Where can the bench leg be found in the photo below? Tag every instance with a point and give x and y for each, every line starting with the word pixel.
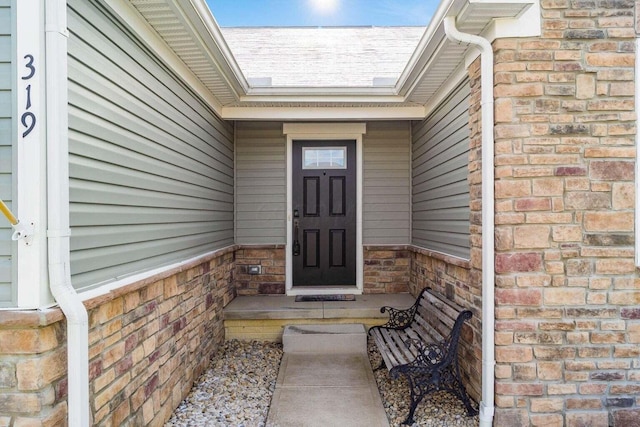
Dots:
pixel 462 392
pixel 459 390
pixel 417 393
pixel 414 404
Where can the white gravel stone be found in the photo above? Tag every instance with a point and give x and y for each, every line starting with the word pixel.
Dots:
pixel 236 390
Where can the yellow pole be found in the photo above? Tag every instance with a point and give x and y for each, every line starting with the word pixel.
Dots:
pixel 7 212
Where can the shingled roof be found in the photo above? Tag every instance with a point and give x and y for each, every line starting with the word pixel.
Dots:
pixel 328 73
pixel 322 56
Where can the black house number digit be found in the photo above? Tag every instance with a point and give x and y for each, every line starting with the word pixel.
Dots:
pixel 28 118
pixel 29 65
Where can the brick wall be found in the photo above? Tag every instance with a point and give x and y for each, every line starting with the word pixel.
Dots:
pixel 271 259
pixel 148 342
pixel 386 269
pixel 567 291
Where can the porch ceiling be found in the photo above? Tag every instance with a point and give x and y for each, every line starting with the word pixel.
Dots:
pixel 189 39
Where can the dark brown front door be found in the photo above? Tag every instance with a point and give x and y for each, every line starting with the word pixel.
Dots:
pixel 324 213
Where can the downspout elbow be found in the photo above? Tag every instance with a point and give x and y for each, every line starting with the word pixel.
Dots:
pixel 487 405
pixel 77 321
pixel 60 285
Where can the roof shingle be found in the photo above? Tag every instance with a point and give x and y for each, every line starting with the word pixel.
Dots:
pixel 322 56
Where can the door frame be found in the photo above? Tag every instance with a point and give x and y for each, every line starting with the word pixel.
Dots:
pixel 324 132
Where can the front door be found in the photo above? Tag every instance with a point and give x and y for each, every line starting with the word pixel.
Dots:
pixel 324 213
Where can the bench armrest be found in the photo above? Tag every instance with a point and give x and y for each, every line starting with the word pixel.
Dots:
pixel 399 319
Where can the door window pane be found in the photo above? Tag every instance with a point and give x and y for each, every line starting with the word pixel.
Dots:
pixel 324 157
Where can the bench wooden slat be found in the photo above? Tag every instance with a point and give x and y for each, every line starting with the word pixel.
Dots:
pixel 395 355
pixel 427 330
pixel 384 341
pixel 445 313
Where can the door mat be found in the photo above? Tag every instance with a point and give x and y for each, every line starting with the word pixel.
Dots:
pixel 335 297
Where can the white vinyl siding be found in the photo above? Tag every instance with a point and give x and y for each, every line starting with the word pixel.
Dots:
pixel 6 152
pixel 386 183
pixel 440 168
pixel 151 166
pixel 261 188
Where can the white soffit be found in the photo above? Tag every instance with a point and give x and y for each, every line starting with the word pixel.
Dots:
pixel 190 31
pixel 439 57
pixel 177 31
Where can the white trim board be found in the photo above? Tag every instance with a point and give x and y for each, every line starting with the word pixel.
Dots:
pixel 325 131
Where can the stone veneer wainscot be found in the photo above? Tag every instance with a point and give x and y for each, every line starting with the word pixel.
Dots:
pixel 149 341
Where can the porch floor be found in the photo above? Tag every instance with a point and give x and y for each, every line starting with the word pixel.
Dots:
pixel 264 317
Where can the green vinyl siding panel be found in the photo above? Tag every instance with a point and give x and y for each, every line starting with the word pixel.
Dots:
pixel 7 247
pixel 386 198
pixel 440 158
pixel 151 166
pixel 261 183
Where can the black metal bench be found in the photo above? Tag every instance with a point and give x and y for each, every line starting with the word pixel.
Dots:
pixel 421 343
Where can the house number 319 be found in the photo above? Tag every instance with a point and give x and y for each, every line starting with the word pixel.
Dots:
pixel 28 119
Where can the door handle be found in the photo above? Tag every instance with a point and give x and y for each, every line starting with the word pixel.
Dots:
pixel 296 242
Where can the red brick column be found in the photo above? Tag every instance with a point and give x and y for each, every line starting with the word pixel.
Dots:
pixel 566 341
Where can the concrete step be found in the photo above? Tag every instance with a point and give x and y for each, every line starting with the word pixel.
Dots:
pixel 325 338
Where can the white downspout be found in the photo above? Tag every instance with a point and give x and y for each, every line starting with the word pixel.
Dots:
pixel 488 214
pixel 58 229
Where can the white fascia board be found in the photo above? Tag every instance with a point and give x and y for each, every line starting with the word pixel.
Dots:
pixel 140 26
pixel 274 93
pixel 323 113
pixel 331 99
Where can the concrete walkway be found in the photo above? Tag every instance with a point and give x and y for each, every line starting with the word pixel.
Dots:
pixel 325 379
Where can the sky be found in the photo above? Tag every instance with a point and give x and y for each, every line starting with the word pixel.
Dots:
pixel 322 13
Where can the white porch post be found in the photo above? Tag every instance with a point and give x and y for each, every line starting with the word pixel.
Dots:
pixel 29 201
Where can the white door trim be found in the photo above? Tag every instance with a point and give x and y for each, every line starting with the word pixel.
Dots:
pixel 324 131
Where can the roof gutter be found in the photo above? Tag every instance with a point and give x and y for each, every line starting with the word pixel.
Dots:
pixel 487 408
pixel 58 231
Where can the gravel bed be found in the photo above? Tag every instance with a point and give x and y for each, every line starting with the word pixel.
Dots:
pixel 236 390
